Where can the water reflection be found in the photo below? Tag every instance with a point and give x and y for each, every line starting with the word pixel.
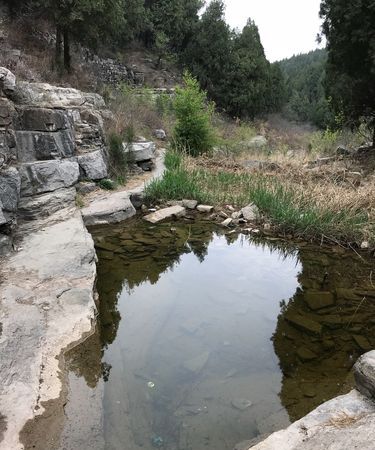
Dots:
pixel 206 339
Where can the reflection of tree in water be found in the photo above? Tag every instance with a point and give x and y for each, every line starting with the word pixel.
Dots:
pixel 129 256
pixel 324 328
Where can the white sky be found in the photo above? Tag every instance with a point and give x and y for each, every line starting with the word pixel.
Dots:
pixel 286 27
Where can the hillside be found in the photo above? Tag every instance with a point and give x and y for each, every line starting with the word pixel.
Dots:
pixel 304 76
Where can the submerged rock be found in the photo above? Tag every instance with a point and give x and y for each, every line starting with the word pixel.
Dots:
pixel 197 363
pixel 304 323
pixel 241 404
pixel 319 299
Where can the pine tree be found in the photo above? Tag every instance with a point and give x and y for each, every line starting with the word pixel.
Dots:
pixel 350 32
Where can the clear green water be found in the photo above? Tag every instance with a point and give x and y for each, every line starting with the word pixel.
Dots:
pixel 206 340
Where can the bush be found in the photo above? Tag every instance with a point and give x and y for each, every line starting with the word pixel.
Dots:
pixel 107 184
pixel 193 131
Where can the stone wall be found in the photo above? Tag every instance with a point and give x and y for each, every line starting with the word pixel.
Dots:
pixel 50 139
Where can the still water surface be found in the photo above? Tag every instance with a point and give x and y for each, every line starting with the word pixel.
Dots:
pixel 207 339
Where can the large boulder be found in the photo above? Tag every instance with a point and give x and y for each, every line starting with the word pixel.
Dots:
pixel 92 165
pixel 42 119
pixel 47 176
pixel 140 151
pixel 7 81
pixel 10 184
pixel 38 145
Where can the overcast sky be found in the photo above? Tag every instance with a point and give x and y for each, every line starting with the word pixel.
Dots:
pixel 286 27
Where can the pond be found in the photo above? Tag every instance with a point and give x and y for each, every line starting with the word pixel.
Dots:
pixel 207 338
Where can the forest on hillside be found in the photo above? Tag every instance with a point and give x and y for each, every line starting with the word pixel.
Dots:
pixel 333 87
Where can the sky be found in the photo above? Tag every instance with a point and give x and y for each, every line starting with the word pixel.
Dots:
pixel 286 27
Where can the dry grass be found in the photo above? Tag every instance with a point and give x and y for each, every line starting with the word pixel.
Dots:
pixel 135 111
pixel 343 420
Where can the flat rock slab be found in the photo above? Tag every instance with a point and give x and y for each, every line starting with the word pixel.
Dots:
pixel 304 323
pixel 344 423
pixel 47 304
pixel 39 206
pixel 114 208
pixel 165 213
pixel 318 300
pixel 48 96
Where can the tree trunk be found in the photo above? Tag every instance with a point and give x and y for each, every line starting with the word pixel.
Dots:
pixel 67 57
pixel 58 49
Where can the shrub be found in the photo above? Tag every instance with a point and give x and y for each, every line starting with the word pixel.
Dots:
pixel 107 184
pixel 193 131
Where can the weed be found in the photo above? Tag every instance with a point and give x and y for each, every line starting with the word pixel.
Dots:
pixel 107 184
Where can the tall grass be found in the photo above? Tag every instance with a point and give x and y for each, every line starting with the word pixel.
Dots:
pixel 291 210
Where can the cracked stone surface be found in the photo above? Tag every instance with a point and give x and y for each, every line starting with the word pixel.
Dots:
pixel 47 303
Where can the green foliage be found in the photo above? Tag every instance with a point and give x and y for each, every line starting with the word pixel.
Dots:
pixel 350 37
pixel 232 66
pixel 107 184
pixel 173 19
pixel 193 131
pixel 305 95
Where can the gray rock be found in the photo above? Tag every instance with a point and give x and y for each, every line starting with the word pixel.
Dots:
pixel 93 166
pixel 40 206
pixel 37 145
pixel 85 187
pixel 140 151
pixel 257 142
pixel 7 81
pixel 47 176
pixel 5 244
pixel 346 422
pixel 137 199
pixel 3 219
pixel 189 204
pixel 260 165
pixel 160 134
pixel 227 222
pixel 10 185
pixel 165 213
pixel 250 212
pixel 42 119
pixel 205 208
pixel 364 374
pixel 114 208
pixel 48 96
